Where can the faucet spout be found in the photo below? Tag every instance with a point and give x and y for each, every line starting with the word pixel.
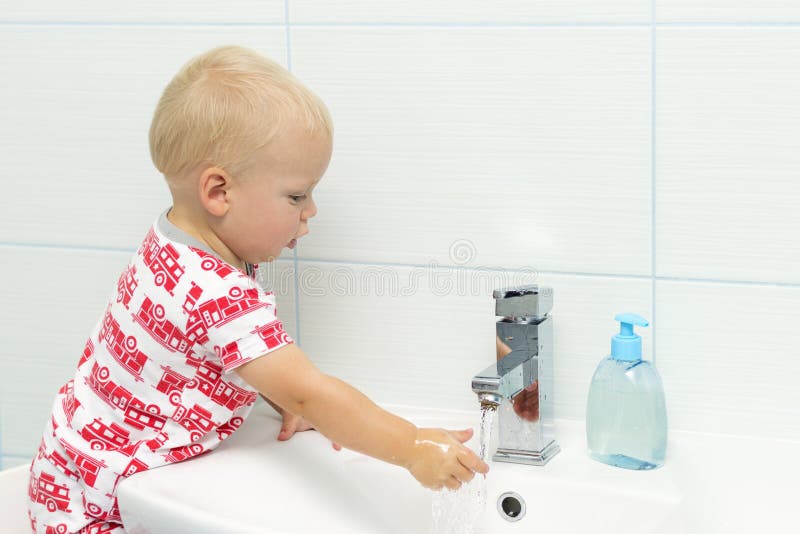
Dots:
pixel 510 375
pixel 489 401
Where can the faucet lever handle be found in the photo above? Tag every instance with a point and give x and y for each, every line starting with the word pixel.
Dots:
pixel 523 301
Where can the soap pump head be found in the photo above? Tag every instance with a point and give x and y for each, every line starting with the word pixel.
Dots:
pixel 627 345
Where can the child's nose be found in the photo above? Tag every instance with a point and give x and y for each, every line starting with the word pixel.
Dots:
pixel 309 210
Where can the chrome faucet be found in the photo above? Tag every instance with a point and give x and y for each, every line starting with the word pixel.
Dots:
pixel 520 384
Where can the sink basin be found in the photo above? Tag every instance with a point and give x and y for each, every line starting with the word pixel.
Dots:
pixel 254 483
pixel 570 494
pixel 553 506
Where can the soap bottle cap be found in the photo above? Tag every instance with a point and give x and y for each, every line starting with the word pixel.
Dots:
pixel 627 345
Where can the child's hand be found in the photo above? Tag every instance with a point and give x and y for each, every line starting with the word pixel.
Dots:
pixel 294 423
pixel 440 460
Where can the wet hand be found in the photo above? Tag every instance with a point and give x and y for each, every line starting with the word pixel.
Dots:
pixel 439 458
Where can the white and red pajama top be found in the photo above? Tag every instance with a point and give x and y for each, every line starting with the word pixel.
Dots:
pixel 155 383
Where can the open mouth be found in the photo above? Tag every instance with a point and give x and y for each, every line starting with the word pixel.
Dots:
pixel 292 243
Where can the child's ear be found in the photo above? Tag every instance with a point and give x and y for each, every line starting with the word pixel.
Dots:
pixel 213 189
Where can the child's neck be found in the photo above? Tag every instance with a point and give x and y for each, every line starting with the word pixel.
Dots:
pixel 196 227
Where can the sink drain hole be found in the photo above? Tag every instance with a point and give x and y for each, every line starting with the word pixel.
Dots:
pixel 511 506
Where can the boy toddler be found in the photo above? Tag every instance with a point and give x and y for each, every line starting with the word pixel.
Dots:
pixel 188 339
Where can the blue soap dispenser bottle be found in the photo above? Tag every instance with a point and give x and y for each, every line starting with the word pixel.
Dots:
pixel 626 414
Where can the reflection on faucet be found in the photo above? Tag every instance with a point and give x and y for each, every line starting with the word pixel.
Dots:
pixel 522 375
pixel 526 402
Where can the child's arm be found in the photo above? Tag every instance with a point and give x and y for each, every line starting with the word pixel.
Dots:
pixel 435 457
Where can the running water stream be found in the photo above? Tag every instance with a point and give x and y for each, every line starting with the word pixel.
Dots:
pixel 458 512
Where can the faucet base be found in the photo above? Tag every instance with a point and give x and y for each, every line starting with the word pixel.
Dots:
pixel 516 456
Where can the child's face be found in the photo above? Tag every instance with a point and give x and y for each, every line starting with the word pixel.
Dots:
pixel 274 201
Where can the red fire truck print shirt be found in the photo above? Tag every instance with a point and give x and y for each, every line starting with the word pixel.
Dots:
pixel 154 384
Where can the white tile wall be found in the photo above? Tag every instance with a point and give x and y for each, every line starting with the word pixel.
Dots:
pixel 727 175
pixel 470 11
pixel 83 100
pixel 728 357
pixel 483 135
pixel 8 461
pixel 727 11
pixel 479 135
pixel 147 11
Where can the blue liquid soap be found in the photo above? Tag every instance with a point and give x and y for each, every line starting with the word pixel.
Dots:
pixel 626 415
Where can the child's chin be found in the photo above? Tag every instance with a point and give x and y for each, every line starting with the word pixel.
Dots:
pixel 267 259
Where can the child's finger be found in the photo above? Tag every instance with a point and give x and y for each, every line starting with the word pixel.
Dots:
pixel 287 429
pixel 462 473
pixel 471 461
pixel 452 483
pixel 462 435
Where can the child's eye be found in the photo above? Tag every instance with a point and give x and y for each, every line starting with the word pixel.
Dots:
pixel 297 198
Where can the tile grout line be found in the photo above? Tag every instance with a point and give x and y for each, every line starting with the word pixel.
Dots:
pixel 454 25
pixel 296 260
pixel 65 246
pixel 297 332
pixel 653 233
pixel 16 459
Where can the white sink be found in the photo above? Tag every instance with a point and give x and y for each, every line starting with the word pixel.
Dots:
pixel 570 494
pixel 254 483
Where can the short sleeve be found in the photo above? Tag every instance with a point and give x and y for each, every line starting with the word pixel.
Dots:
pixel 237 322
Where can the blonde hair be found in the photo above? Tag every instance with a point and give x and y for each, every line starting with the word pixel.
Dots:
pixel 226 104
